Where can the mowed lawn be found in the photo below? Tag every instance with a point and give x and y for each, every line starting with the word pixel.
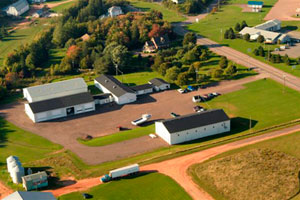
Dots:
pixel 119 136
pixel 168 15
pixel 215 25
pixel 138 78
pixel 64 6
pixel 27 146
pixel 146 186
pixel 19 37
pixel 265 102
pixel 289 144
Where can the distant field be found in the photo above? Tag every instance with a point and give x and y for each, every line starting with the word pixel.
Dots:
pixel 63 6
pixel 19 37
pixel 169 15
pixel 120 136
pixel 214 26
pixel 289 144
pixel 145 186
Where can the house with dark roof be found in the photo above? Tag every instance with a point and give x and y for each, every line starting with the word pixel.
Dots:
pixel 21 195
pixel 56 100
pixel 159 84
pixel 142 89
pixel 156 43
pixel 121 93
pixel 17 8
pixel 193 126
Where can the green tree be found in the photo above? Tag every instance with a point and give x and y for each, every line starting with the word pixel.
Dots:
pixel 256 52
pixel 120 56
pixel 261 51
pixel 223 63
pixel 172 74
pixel 189 37
pixel 237 27
pixel 287 60
pixel 278 58
pixel 244 24
pixel 231 34
pixel 260 39
pixel 216 73
pixel 182 79
pixel 230 70
pixel 246 37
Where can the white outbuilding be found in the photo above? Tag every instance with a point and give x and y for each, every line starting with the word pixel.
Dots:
pixel 17 8
pixel 121 93
pixel 142 89
pixel 56 100
pixel 114 11
pixel 193 126
pixel 159 84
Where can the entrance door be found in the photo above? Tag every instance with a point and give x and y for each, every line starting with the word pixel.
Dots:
pixel 70 111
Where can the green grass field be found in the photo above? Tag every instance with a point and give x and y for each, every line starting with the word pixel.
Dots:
pixel 63 6
pixel 138 78
pixel 289 144
pixel 119 136
pixel 214 26
pixel 20 37
pixel 168 15
pixel 145 186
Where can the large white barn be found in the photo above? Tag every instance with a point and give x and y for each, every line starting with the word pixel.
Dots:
pixel 193 126
pixel 17 8
pixel 121 93
pixel 56 100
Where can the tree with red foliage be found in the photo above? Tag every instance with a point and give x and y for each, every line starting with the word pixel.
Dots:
pixel 156 31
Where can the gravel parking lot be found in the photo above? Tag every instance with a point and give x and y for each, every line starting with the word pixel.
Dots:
pixel 106 118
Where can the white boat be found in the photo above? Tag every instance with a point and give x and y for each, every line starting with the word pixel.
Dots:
pixel 143 119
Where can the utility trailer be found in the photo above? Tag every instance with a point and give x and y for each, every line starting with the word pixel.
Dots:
pixel 116 173
pixel 143 119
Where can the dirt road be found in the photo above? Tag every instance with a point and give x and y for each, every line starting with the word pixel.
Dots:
pixel 4 191
pixel 177 168
pixel 284 10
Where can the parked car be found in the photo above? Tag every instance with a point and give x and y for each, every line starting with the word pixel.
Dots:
pixel 87 196
pixel 191 88
pixel 201 110
pixel 174 115
pixel 197 108
pixel 198 98
pixel 181 91
pixel 216 94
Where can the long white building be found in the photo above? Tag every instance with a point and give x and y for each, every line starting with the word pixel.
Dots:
pixel 121 93
pixel 193 126
pixel 56 100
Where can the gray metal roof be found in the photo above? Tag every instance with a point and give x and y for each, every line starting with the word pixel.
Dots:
pixel 142 87
pixel 61 102
pixel 158 82
pixel 195 120
pixel 21 195
pixel 19 5
pixel 57 87
pixel 268 24
pixel 113 85
pixel 102 96
pixel 267 34
pixel 38 175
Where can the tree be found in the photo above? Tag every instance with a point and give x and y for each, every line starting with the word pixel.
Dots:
pixel 278 58
pixel 287 60
pixel 102 65
pixel 156 31
pixel 256 52
pixel 197 65
pixel 182 79
pixel 189 38
pixel 260 39
pixel 172 74
pixel 298 60
pixel 237 27
pixel 216 73
pixel 223 63
pixel 120 56
pixel 192 72
pixel 246 37
pixel 11 79
pixel 163 68
pixel 244 24
pixel 261 51
pixel 231 34
pixel 3 92
pixel 230 70
pixel 226 34
pixel 272 58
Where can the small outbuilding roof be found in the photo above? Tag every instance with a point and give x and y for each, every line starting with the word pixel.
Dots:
pixel 158 82
pixel 61 102
pixel 195 120
pixel 113 85
pixel 85 37
pixel 259 3
pixel 57 87
pixel 35 176
pixel 21 195
pixel 142 87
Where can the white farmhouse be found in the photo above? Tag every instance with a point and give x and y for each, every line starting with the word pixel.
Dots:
pixel 17 8
pixel 193 126
pixel 121 93
pixel 159 84
pixel 56 100
pixel 114 11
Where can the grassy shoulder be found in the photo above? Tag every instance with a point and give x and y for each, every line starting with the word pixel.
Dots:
pixel 129 188
pixel 168 14
pixel 288 144
pixel 119 136
pixel 214 26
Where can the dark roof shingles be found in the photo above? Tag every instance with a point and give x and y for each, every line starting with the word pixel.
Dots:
pixel 158 82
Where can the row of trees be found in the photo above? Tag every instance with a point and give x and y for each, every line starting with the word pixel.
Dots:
pixel 232 34
pixel 188 6
pixel 274 58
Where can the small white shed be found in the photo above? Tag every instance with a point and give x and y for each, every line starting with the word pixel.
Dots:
pixel 159 84
pixel 142 89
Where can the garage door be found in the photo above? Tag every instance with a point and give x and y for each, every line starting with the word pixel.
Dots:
pixel 41 116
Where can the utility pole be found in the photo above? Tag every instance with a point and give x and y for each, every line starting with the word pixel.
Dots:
pixel 284 83
pixel 250 124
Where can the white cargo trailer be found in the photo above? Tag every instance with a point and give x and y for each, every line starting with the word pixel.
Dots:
pixel 120 172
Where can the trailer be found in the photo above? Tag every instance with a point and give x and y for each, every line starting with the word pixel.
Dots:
pixel 143 119
pixel 131 169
